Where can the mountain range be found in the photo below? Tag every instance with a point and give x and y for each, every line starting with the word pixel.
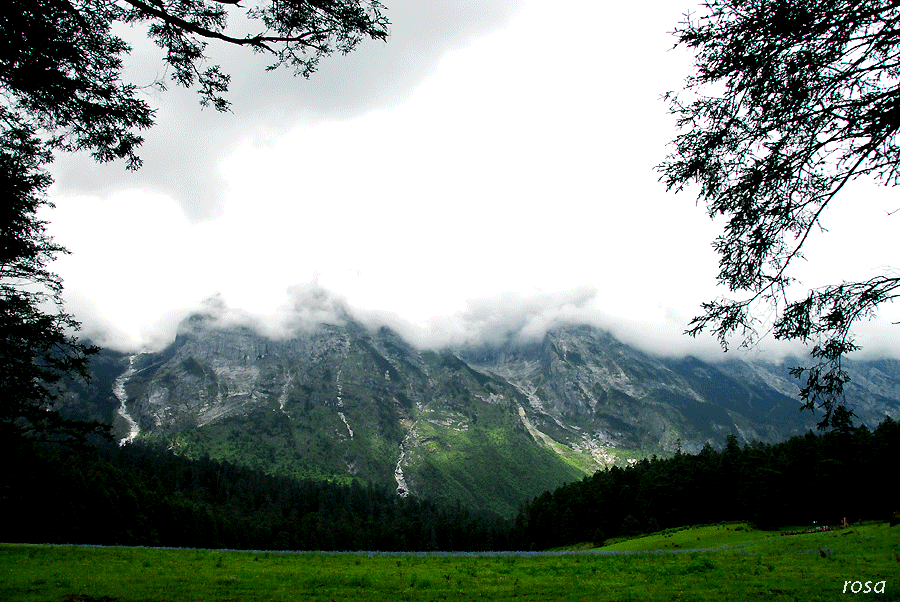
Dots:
pixel 488 426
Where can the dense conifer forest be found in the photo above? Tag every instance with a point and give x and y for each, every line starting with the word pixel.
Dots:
pixel 144 495
pixel 141 494
pixel 815 479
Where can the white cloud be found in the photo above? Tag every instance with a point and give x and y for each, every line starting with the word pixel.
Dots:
pixel 182 152
pixel 489 168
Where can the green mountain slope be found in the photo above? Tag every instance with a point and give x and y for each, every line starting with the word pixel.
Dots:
pixel 488 426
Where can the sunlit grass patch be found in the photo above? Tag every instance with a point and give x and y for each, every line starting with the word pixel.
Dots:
pixel 688 538
pixel 741 564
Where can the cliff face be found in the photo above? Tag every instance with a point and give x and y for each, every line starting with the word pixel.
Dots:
pixel 210 374
pixel 595 393
pixel 489 426
pixel 343 402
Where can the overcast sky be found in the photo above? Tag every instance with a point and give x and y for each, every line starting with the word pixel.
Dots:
pixel 489 167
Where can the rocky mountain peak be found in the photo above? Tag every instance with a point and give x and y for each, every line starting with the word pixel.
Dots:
pixel 490 425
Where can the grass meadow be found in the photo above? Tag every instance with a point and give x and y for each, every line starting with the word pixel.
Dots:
pixel 719 562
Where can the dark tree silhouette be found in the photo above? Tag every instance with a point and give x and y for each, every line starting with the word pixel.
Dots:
pixel 35 347
pixel 790 101
pixel 770 485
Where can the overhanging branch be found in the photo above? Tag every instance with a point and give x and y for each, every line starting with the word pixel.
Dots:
pixel 257 41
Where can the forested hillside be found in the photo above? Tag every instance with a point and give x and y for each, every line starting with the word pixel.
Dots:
pixel 488 427
pixel 139 494
pixel 145 495
pixel 812 479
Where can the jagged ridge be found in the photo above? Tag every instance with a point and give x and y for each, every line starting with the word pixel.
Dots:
pixel 488 426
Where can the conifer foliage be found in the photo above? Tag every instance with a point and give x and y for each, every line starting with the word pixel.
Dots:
pixel 810 479
pixel 144 495
pixel 36 347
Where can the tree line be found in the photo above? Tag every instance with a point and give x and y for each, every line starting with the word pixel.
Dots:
pixel 143 494
pixel 817 478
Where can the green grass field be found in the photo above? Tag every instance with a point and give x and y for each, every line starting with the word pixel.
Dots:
pixel 724 562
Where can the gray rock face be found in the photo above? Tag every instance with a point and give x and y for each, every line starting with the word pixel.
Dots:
pixel 598 394
pixel 210 374
pixel 489 426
